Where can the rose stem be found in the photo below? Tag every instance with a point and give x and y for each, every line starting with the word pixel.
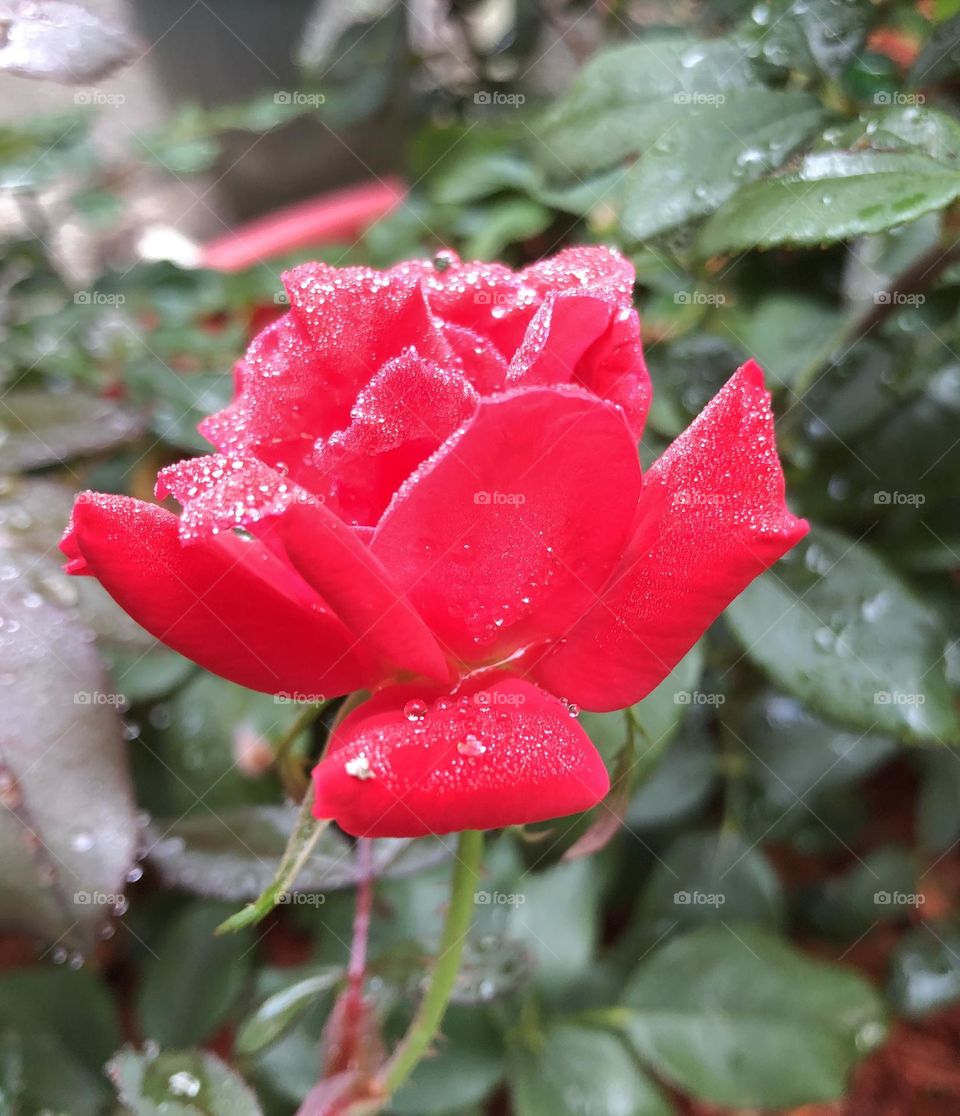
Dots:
pixel 429 1015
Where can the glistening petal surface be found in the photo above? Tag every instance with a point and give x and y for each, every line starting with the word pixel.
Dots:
pixel 499 752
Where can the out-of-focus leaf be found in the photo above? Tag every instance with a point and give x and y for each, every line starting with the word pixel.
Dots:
pixel 679 783
pixel 234 854
pixel 783 333
pixel 814 36
pixel 832 195
pixel 792 754
pixel 737 1017
pixel 626 99
pixel 192 978
pixel 468 1066
pixel 938 809
pixel 46 428
pixel 490 967
pixel 577 1071
pixel 66 1026
pixel 180 1083
pixel 502 223
pixel 279 1012
pixel 710 152
pixel 925 969
pixel 880 887
pixel 834 625
pixel 708 877
pixel 60 41
pixel 68 831
pixel 940 57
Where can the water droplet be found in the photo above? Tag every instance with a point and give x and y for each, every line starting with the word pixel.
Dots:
pixel 415 710
pixel 183 1084
pixel 470 745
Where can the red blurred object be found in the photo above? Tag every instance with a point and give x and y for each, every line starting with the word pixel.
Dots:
pixel 340 215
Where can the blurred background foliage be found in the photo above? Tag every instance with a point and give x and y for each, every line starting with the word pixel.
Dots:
pixel 764 913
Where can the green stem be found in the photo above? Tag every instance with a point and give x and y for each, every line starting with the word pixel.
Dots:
pixel 302 841
pixel 429 1015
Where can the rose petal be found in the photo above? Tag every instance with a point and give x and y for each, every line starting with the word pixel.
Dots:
pixel 230 606
pixel 712 517
pixel 506 534
pixel 500 752
pixel 221 494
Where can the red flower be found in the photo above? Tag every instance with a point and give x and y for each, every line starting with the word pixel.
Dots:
pixel 428 486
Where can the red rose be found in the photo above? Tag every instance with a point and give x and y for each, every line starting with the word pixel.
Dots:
pixel 428 487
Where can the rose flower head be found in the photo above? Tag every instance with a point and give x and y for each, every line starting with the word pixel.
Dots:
pixel 427 487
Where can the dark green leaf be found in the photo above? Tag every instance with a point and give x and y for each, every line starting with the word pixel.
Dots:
pixel 576 1071
pixel 47 428
pixel 835 626
pixel 191 979
pixel 832 195
pixel 279 1012
pixel 737 1017
pixel 181 1083
pixel 925 970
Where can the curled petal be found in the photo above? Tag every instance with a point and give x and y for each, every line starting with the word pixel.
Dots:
pixel 499 752
pixel 711 518
pixel 229 605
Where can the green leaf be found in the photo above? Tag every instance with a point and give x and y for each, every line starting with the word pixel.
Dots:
pixel 881 887
pixel 817 36
pixel 625 99
pixel 784 333
pixel 679 783
pixel 793 754
pixel 467 1067
pixel 554 917
pixel 938 808
pixel 708 877
pixel 832 195
pixel 710 152
pixel 737 1017
pixel 281 1011
pixel 940 58
pixel 181 1083
pixel 578 1071
pixel 47 428
pixel 925 969
pixel 836 627
pixel 192 978
pixel 65 1026
pixel 502 223
pixel 68 831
